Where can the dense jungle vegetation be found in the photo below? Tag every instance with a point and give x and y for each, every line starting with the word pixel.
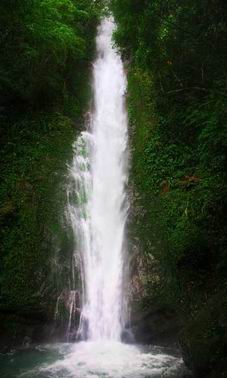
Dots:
pixel 46 48
pixel 175 54
pixel 177 71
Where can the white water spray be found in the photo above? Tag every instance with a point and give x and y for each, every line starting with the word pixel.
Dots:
pixel 97 198
pixel 97 209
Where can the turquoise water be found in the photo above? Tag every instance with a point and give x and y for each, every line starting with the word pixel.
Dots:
pixel 92 360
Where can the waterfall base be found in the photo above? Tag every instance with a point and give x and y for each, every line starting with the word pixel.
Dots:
pixel 94 360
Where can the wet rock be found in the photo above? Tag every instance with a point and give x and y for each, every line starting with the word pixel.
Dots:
pixel 157 326
pixel 67 315
pixel 27 342
pixel 127 336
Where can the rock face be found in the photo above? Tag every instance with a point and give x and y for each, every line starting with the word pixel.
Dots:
pixel 158 326
pixel 67 315
pixel 150 322
pixel 203 338
pixel 21 331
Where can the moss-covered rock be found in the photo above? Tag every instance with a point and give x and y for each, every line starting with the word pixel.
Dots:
pixel 33 195
pixel 177 230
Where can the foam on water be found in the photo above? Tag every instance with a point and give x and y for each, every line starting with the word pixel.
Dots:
pixel 107 360
pixel 114 360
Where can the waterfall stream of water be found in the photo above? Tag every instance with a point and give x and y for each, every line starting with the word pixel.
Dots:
pixel 99 207
pixel 97 211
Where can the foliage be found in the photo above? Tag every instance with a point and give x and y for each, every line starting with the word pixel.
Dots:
pixel 32 197
pixel 177 107
pixel 51 40
pixel 46 48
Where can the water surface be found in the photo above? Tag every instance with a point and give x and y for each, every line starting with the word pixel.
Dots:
pixel 92 360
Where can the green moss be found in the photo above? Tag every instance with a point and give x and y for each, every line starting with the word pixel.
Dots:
pixel 178 204
pixel 33 193
pixel 204 336
pixel 44 94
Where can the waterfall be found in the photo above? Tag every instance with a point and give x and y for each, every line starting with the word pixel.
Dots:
pixel 97 205
pixel 97 211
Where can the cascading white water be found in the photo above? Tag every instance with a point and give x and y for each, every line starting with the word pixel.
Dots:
pixel 97 210
pixel 97 197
